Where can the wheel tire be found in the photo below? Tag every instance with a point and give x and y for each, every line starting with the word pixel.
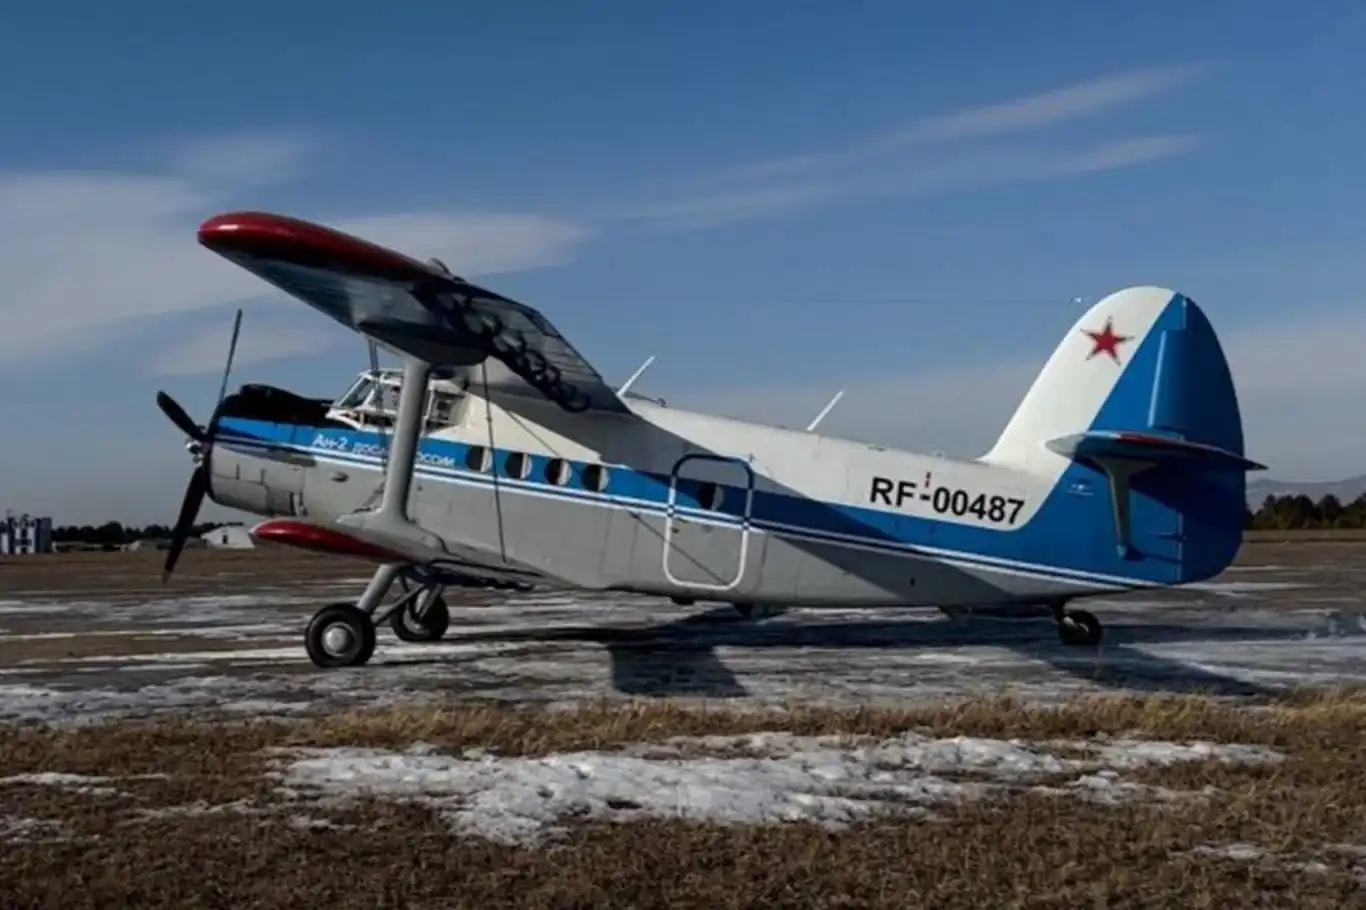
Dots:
pixel 329 650
pixel 1080 629
pixel 432 626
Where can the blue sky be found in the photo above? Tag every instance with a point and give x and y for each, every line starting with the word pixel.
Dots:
pixel 779 200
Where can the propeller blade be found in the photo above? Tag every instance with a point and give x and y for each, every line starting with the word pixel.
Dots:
pixel 232 352
pixel 180 418
pixel 227 371
pixel 189 511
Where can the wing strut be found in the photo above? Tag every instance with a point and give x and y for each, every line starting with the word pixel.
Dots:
pixel 631 380
pixel 825 411
pixel 493 449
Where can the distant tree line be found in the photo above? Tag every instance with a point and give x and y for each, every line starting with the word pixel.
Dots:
pixel 1299 512
pixel 112 533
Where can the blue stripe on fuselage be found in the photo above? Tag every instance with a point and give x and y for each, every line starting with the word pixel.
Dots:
pixel 1069 537
pixel 785 514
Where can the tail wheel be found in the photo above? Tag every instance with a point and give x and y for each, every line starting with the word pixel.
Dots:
pixel 1079 628
pixel 431 627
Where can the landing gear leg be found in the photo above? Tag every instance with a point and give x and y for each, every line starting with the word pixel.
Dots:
pixel 390 519
pixel 1077 628
pixel 422 616
pixel 343 635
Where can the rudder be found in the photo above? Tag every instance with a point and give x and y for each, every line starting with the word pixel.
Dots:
pixel 1140 391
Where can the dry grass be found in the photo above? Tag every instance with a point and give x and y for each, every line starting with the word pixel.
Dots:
pixel 1021 850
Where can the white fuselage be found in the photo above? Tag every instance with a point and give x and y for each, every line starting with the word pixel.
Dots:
pixel 670 502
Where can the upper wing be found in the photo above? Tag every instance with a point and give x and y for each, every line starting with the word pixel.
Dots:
pixel 412 306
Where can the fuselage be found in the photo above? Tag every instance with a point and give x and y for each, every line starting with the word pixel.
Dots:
pixel 670 502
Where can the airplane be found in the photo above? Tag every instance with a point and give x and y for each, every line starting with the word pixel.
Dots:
pixel 498 456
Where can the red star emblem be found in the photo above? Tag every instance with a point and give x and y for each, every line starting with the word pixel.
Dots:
pixel 1106 341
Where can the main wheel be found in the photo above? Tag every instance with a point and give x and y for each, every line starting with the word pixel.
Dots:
pixel 340 635
pixel 431 627
pixel 1079 628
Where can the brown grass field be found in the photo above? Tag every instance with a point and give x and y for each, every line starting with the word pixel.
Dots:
pixel 1019 849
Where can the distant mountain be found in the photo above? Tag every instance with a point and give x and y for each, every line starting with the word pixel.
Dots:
pixel 1345 490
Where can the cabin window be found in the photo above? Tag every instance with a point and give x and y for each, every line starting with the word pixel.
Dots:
pixel 441 406
pixel 557 471
pixel 517 465
pixel 595 478
pixel 478 459
pixel 710 495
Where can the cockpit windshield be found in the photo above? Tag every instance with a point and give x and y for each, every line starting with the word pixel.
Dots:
pixel 357 395
pixel 373 401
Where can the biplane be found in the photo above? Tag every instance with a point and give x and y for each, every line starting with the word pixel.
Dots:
pixel 497 456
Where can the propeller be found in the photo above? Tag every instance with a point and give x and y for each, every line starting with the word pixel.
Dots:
pixel 198 487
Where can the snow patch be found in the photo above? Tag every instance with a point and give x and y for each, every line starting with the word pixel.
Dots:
pixel 830 780
pixel 1239 588
pixel 1309 861
pixel 17 829
pixel 28 608
pixel 78 783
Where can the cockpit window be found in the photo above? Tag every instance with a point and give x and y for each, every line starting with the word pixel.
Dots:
pixel 374 402
pixel 357 395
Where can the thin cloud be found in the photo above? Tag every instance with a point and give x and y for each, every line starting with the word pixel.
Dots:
pixel 906 179
pixel 1029 112
pixel 81 251
pixel 1047 108
pixel 206 351
pixel 902 160
pixel 241 160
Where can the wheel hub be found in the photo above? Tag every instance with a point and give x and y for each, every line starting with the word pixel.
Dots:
pixel 337 638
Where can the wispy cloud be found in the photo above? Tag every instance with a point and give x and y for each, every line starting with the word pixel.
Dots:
pixel 241 160
pixel 901 160
pixel 82 251
pixel 907 178
pixel 1045 109
pixel 206 350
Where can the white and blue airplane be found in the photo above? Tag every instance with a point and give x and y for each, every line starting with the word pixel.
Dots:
pixel 498 456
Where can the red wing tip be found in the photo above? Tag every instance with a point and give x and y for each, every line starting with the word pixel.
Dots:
pixel 234 223
pixel 308 536
pixel 260 231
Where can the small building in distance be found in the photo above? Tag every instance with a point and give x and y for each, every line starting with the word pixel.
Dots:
pixel 231 537
pixel 24 535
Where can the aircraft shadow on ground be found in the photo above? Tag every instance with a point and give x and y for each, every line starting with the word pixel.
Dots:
pixel 679 657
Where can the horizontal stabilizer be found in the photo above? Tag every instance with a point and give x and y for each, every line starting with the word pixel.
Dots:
pixel 1111 444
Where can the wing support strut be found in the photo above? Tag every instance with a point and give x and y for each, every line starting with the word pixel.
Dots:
pixel 391 519
pixel 825 412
